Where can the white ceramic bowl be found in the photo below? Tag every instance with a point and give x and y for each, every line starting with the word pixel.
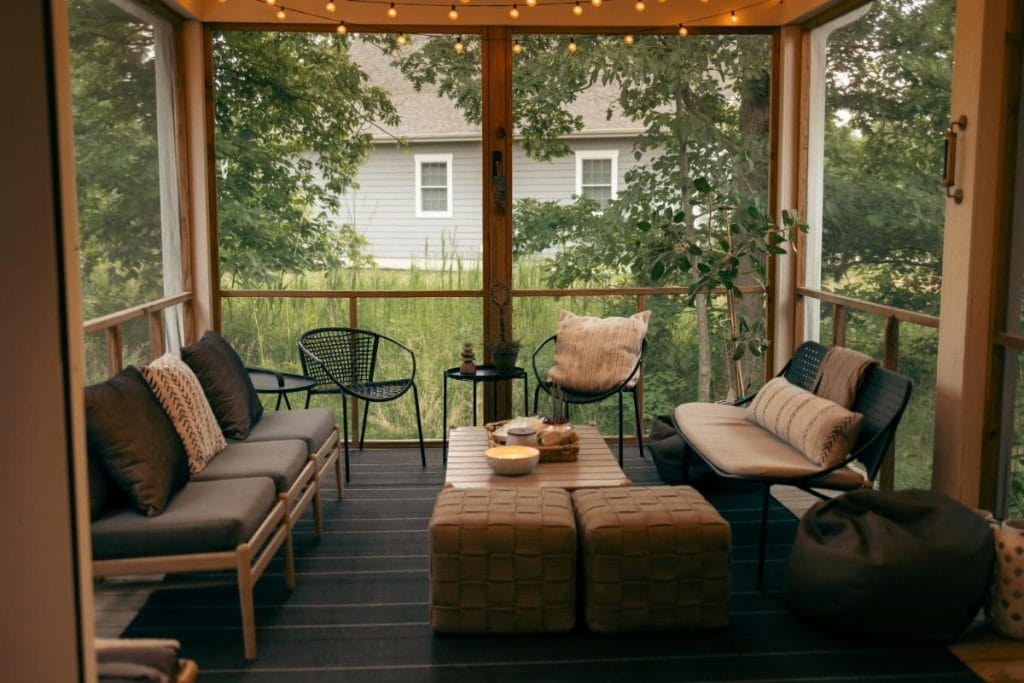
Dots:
pixel 512 460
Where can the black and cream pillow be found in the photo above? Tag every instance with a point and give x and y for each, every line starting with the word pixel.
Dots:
pixel 181 395
pixel 822 430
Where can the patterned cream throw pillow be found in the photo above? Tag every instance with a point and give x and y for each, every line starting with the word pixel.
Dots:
pixel 596 354
pixel 823 431
pixel 181 395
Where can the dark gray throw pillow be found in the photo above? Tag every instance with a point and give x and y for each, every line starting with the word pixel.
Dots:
pixel 131 435
pixel 226 384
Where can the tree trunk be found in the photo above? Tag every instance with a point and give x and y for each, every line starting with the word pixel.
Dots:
pixel 701 302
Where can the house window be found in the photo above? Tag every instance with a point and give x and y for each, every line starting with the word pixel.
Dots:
pixel 597 175
pixel 433 185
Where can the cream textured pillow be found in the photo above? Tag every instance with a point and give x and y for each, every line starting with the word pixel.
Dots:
pixel 596 354
pixel 181 395
pixel 823 431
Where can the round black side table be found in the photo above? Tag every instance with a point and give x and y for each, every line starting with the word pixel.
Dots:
pixel 484 373
pixel 280 383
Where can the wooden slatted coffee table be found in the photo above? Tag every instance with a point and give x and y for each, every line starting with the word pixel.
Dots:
pixel 595 467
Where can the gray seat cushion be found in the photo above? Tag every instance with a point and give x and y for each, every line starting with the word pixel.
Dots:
pixel 731 443
pixel 312 425
pixel 205 516
pixel 282 461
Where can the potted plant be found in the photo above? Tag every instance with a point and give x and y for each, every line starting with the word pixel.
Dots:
pixel 505 350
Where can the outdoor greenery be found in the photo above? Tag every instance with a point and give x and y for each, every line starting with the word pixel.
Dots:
pixel 294 119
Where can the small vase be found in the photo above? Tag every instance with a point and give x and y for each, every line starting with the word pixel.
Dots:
pixel 1008 587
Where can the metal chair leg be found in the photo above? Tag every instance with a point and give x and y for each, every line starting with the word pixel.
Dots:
pixel 362 432
pixel 344 433
pixel 620 429
pixel 639 425
pixel 764 536
pixel 419 424
pixel 536 400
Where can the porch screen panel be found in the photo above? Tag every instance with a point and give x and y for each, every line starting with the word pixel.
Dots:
pixel 610 141
pixel 877 202
pixel 129 221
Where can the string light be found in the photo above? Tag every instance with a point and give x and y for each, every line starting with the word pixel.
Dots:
pixel 639 6
pixel 459 45
pixel 517 47
pixel 392 12
pixel 531 3
pixel 342 29
pixel 572 45
pixel 513 13
pixel 330 7
pixel 453 14
pixel 596 3
pixel 628 39
pixel 281 14
pixel 733 18
pixel 682 31
pixel 401 39
pixel 464 2
pixel 577 9
pixel 271 2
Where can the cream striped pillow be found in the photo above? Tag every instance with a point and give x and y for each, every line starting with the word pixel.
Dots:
pixel 181 395
pixel 823 431
pixel 596 354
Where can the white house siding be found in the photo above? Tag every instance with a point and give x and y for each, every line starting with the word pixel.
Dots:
pixel 383 208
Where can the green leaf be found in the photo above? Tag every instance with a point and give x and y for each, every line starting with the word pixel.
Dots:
pixel 702 185
pixel 658 271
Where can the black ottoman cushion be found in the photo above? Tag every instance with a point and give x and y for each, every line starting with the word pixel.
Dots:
pixel 903 566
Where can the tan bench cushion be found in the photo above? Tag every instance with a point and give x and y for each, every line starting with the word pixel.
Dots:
pixel 732 443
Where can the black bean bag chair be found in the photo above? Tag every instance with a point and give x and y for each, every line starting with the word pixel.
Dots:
pixel 902 566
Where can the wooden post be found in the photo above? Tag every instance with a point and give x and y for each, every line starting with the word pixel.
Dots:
pixel 840 316
pixel 890 361
pixel 113 350
pixel 496 81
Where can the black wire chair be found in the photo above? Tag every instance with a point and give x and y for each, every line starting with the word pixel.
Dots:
pixel 882 397
pixel 343 360
pixel 583 397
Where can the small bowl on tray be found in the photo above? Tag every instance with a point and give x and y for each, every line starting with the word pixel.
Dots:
pixel 511 461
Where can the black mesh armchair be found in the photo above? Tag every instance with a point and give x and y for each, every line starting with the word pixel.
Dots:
pixel 542 361
pixel 344 361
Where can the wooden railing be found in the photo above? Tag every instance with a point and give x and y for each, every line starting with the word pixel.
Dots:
pixel 841 306
pixel 111 325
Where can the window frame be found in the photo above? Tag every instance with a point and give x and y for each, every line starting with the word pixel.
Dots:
pixel 419 160
pixel 601 154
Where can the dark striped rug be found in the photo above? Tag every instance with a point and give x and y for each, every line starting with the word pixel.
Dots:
pixel 360 610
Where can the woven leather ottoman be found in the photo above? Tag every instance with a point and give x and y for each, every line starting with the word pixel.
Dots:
pixel 654 558
pixel 502 561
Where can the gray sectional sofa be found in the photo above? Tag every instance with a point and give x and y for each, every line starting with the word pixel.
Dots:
pixel 234 514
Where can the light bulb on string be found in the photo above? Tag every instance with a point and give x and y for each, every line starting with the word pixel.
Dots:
pixel 577 9
pixel 392 12
pixel 628 39
pixel 733 18
pixel 271 2
pixel 639 6
pixel 330 7
pixel 453 14
pixel 513 13
pixel 531 3
pixel 342 29
pixel 281 14
pixel 459 45
pixel 683 31
pixel 401 39
pixel 572 45
pixel 517 47
pixel 464 2
pixel 596 3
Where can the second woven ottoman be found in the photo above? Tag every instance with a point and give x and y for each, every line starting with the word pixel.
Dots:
pixel 653 558
pixel 502 561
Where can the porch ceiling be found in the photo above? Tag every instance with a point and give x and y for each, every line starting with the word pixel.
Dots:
pixel 547 13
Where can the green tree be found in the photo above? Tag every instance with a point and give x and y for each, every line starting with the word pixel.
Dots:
pixel 294 120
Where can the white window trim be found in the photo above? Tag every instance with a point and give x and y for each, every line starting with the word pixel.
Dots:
pixel 611 154
pixel 419 160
